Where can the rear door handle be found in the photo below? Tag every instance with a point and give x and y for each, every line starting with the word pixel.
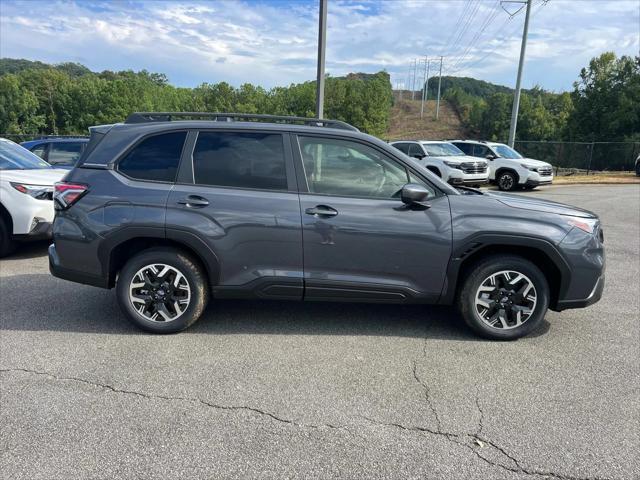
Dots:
pixel 321 211
pixel 194 201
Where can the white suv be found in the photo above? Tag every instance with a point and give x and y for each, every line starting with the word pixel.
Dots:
pixel 446 161
pixel 507 168
pixel 26 195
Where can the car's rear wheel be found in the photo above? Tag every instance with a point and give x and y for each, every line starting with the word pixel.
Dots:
pixel 507 181
pixel 162 290
pixel 504 297
pixel 7 244
pixel 638 169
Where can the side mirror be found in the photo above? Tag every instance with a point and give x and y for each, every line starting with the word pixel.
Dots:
pixel 490 156
pixel 413 194
pixel 419 156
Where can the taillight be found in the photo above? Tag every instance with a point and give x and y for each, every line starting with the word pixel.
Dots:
pixel 66 194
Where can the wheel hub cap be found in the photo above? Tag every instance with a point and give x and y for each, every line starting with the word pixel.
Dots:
pixel 505 299
pixel 159 292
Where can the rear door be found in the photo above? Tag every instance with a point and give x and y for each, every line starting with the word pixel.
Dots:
pixel 360 241
pixel 236 194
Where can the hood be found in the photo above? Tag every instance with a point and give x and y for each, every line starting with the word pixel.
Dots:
pixel 540 205
pixel 44 176
pixel 457 158
pixel 532 162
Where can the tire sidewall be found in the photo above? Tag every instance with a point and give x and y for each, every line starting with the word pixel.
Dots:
pixel 485 269
pixel 187 267
pixel 7 244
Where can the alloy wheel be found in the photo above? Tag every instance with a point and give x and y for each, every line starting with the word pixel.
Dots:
pixel 506 182
pixel 506 299
pixel 159 292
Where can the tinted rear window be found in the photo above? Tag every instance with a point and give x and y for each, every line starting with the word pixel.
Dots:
pixel 243 160
pixel 155 158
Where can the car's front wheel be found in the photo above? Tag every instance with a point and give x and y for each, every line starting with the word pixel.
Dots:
pixel 507 181
pixel 504 297
pixel 162 290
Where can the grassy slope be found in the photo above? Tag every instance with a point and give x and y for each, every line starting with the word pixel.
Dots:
pixel 406 123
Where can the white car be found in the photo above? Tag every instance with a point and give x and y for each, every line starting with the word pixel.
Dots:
pixel 26 195
pixel 507 168
pixel 446 161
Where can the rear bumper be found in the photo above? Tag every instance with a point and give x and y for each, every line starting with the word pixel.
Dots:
pixel 595 296
pixel 40 231
pixel 73 275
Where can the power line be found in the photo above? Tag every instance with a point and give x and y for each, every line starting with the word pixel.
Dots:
pixel 458 24
pixel 464 28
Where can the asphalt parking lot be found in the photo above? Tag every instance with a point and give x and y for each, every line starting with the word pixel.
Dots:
pixel 284 390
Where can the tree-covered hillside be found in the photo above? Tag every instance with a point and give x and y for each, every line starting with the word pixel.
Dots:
pixel 68 98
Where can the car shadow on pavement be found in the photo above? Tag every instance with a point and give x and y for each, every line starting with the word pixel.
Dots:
pixel 61 306
pixel 32 249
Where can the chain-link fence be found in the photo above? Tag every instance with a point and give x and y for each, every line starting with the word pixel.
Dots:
pixel 583 156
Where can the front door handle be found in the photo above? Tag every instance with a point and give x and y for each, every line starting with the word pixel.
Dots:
pixel 194 201
pixel 321 211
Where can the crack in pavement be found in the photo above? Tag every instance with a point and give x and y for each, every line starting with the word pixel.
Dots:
pixel 464 440
pixel 113 389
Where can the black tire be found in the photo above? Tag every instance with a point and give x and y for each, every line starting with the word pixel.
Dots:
pixel 479 273
pixel 507 181
pixel 7 243
pixel 184 264
pixel 638 169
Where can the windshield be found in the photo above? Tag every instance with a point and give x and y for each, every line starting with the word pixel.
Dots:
pixel 442 149
pixel 15 157
pixel 506 152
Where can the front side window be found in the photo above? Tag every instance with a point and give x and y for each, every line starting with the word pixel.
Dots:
pixel 480 151
pixel 64 153
pixel 403 147
pixel 155 158
pixel 346 168
pixel 40 150
pixel 240 159
pixel 416 151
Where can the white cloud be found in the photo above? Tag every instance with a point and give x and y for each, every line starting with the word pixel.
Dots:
pixel 274 42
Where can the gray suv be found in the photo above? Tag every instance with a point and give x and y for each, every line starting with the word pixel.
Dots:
pixel 173 213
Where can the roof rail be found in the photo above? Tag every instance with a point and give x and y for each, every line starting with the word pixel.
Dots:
pixel 147 117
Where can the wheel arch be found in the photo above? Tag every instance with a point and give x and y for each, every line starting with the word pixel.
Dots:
pixel 539 251
pixel 6 216
pixel 501 170
pixel 190 244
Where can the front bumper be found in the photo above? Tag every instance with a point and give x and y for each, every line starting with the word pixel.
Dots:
pixel 595 296
pixel 469 181
pixel 40 230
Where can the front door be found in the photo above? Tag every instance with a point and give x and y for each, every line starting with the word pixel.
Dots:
pixel 360 241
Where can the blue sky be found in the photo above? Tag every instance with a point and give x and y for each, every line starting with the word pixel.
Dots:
pixel 273 42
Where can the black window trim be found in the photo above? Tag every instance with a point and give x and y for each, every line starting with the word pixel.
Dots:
pixel 303 188
pixel 138 141
pixel 186 172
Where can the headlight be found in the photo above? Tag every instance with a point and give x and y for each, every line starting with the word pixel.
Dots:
pixel 40 192
pixel 585 224
pixel 533 169
pixel 453 165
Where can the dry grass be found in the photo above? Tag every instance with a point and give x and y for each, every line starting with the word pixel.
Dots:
pixel 604 177
pixel 406 124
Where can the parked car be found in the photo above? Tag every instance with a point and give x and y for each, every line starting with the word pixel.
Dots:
pixel 26 193
pixel 507 168
pixel 172 213
pixel 447 161
pixel 61 152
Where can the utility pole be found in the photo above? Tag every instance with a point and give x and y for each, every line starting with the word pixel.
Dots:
pixel 425 83
pixel 322 44
pixel 439 84
pixel 413 83
pixel 516 98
